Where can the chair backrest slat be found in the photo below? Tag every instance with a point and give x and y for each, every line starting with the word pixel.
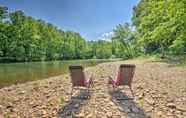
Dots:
pixel 126 73
pixel 77 75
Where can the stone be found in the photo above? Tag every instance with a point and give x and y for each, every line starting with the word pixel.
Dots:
pixel 1 107
pixel 127 110
pixel 140 87
pixel 164 93
pixel 169 114
pixel 89 116
pixel 109 114
pixel 132 115
pixel 149 109
pixel 135 110
pixel 181 108
pixel 160 113
pixel 45 86
pixel 22 92
pixel 121 109
pixel 122 117
pixel 170 100
pixel 31 103
pixel 111 104
pixel 8 89
pixel 81 115
pixel 76 105
pixel 50 82
pixel 9 106
pixel 44 112
pixel 147 91
pixel 150 101
pixel 141 95
pixel 171 105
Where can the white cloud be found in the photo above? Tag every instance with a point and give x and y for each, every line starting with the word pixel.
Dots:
pixel 106 36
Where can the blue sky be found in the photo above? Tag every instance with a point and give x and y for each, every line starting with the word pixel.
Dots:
pixel 91 18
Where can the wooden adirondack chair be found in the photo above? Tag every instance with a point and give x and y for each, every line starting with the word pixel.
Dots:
pixel 124 77
pixel 78 78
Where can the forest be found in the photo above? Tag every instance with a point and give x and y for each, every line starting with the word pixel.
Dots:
pixel 157 28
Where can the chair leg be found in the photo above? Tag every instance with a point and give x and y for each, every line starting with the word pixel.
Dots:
pixel 92 85
pixel 71 92
pixel 131 91
pixel 88 91
pixel 91 82
pixel 115 88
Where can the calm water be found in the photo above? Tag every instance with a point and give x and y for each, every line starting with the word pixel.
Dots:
pixel 22 72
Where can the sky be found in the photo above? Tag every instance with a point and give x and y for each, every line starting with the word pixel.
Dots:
pixel 93 19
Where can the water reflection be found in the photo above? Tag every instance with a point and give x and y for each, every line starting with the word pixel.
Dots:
pixel 21 72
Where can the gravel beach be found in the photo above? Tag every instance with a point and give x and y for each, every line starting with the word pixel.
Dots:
pixel 159 88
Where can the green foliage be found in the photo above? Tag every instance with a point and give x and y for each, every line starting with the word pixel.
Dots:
pixel 178 46
pixel 27 39
pixel 124 42
pixel 24 38
pixel 161 25
pixel 103 49
pixel 3 12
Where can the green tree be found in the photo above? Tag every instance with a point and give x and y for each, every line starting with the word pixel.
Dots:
pixel 122 41
pixel 160 24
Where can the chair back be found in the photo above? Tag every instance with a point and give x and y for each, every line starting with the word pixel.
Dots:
pixel 77 75
pixel 125 74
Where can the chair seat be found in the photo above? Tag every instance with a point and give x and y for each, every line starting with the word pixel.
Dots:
pixel 84 83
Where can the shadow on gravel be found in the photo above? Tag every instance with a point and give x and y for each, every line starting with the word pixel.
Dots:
pixel 127 105
pixel 74 105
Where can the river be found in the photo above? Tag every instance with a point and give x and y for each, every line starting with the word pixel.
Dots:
pixel 14 73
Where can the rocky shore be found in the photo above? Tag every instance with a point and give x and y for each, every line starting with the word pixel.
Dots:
pixel 159 88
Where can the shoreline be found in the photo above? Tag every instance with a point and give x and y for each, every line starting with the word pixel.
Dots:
pixel 14 62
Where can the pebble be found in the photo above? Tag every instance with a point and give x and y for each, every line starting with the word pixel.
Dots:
pixel 1 107
pixel 150 101
pixel 135 110
pixel 22 92
pixel 171 105
pixel 131 115
pixel 89 116
pixel 109 114
pixel 44 112
pixel 81 115
pixel 121 109
pixel 9 106
pixel 76 105
pixel 140 87
pixel 160 113
pixel 149 109
pixel 181 108
pixel 141 95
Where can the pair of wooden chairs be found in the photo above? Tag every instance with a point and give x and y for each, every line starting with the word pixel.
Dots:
pixel 124 77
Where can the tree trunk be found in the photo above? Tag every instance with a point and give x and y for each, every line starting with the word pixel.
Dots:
pixel 162 52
